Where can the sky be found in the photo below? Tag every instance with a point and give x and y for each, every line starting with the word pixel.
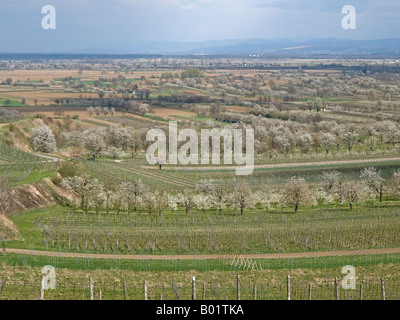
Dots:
pixel 99 24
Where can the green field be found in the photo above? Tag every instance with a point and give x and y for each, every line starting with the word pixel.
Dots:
pixel 278 231
pixel 5 102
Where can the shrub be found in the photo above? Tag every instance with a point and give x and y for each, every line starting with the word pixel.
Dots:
pixel 11 127
pixel 67 170
pixel 56 180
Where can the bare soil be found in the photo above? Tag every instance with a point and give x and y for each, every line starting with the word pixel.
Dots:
pixel 27 197
pixel 169 113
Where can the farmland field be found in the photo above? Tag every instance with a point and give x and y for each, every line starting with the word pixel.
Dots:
pixel 78 191
pixel 175 233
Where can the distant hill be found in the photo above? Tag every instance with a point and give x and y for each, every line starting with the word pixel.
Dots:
pixel 257 46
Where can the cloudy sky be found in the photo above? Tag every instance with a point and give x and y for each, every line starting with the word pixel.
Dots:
pixel 100 24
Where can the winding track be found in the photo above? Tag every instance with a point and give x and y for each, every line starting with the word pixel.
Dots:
pixel 206 257
pixel 277 165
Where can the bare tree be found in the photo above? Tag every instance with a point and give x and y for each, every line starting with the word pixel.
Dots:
pixel 350 138
pixel 162 201
pixel 242 197
pixel 3 194
pixel 133 192
pixel 67 122
pixel 84 187
pixel 90 111
pixel 216 190
pixel 187 200
pixel 94 145
pixel 373 180
pixel 395 183
pixel 305 142
pixel 352 192
pixel 149 202
pixel 115 152
pixel 393 136
pixel 332 180
pixel 297 193
pixel 101 93
pixel 98 110
pixel 328 141
pixel 202 202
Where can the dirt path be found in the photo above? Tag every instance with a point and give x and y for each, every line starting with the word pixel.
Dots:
pixel 206 257
pixel 278 165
